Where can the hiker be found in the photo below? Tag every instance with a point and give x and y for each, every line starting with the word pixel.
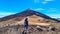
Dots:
pixel 26 24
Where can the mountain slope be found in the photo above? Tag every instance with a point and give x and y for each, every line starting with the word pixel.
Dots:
pixel 21 15
pixel 33 16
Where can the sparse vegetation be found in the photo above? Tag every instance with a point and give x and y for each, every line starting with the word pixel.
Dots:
pixel 9 23
pixel 32 30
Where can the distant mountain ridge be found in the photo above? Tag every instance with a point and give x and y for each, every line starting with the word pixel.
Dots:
pixel 26 13
pixel 57 18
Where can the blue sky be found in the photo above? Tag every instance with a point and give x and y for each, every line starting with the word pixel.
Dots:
pixel 48 7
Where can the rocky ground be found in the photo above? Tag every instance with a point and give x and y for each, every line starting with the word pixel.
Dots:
pixel 19 29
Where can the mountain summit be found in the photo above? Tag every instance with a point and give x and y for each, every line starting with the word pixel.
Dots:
pixel 27 13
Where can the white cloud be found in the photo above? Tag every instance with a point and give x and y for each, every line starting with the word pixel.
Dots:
pixel 44 2
pixel 52 10
pixel 3 14
pixel 55 15
pixel 48 0
pixel 37 9
pixel 36 1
